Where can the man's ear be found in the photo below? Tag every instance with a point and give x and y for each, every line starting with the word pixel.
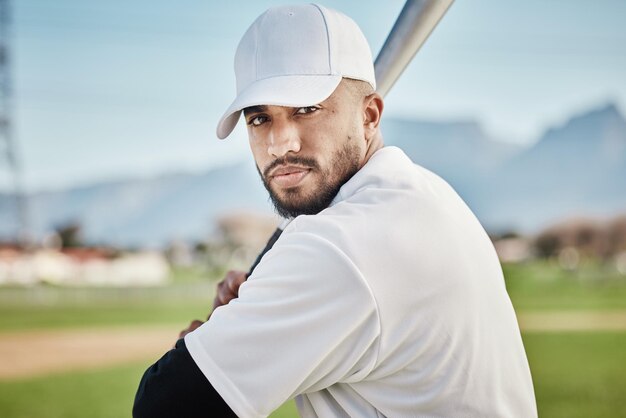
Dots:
pixel 372 111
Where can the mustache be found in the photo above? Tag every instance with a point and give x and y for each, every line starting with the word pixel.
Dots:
pixel 286 160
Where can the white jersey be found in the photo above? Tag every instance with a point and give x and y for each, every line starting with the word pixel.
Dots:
pixel 391 302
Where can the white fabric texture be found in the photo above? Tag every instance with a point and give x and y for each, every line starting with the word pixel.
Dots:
pixel 391 302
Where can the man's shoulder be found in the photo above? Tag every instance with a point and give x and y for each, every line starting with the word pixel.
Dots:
pixel 306 256
pixel 390 188
pixel 390 170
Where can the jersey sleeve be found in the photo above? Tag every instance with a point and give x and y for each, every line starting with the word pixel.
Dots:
pixel 304 320
pixel 174 386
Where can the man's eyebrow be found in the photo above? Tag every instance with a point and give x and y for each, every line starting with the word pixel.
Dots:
pixel 254 109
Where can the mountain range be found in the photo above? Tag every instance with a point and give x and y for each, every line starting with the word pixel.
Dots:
pixel 578 168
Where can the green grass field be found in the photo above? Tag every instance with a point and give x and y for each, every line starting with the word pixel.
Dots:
pixel 52 307
pixel 576 374
pixel 106 393
pixel 543 285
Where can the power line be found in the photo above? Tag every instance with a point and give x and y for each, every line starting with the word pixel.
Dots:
pixel 8 154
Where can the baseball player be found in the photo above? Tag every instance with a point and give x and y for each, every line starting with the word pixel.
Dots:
pixel 383 297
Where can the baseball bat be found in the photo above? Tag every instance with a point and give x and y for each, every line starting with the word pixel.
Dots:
pixel 414 24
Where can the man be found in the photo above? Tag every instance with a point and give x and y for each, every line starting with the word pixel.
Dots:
pixel 383 296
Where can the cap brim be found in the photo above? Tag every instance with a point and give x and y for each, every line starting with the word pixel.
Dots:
pixel 291 91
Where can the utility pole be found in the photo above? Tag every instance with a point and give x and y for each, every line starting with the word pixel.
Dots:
pixel 9 160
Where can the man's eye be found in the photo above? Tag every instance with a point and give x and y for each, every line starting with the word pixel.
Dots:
pixel 307 109
pixel 257 120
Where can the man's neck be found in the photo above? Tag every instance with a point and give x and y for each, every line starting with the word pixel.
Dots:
pixel 374 144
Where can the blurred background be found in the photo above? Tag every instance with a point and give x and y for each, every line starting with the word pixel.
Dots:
pixel 120 210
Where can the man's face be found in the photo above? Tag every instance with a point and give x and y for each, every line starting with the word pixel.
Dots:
pixel 305 155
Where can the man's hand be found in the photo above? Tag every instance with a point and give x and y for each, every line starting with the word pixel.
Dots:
pixel 228 289
pixel 194 324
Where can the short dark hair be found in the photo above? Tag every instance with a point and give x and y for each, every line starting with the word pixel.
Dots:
pixel 358 88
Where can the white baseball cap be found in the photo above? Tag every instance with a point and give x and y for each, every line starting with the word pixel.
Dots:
pixel 296 56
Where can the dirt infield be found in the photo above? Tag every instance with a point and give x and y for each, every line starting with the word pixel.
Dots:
pixel 572 321
pixel 34 353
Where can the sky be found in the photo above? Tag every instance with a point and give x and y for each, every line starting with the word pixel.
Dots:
pixel 125 89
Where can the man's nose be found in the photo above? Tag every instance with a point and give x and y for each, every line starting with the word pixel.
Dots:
pixel 284 137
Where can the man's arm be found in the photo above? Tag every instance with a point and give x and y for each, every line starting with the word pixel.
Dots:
pixel 309 324
pixel 174 386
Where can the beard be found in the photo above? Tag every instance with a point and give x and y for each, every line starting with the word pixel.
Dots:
pixel 296 201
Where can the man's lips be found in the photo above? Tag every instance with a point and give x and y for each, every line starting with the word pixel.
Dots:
pixel 289 176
